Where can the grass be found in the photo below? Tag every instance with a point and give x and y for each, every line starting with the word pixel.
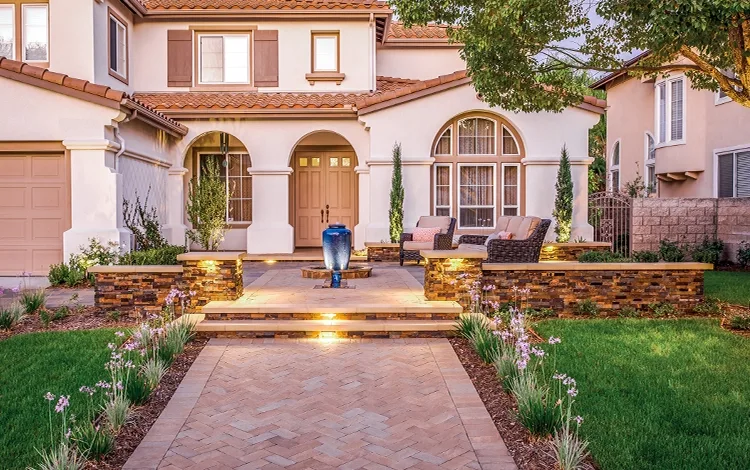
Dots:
pixel 34 364
pixel 729 286
pixel 659 394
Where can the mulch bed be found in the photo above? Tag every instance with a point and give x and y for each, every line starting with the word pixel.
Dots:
pixel 528 453
pixel 85 318
pixel 143 417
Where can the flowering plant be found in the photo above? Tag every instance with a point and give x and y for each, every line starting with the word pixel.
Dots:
pixel 177 297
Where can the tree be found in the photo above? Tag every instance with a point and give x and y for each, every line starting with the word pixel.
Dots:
pixel 396 212
pixel 563 212
pixel 207 207
pixel 515 49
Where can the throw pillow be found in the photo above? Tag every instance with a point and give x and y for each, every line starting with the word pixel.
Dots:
pixel 498 235
pixel 426 234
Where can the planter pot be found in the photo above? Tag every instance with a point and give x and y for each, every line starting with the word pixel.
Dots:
pixel 337 247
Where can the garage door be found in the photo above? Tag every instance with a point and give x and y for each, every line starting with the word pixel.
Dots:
pixel 34 211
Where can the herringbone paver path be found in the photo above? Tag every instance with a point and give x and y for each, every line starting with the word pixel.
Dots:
pixel 375 404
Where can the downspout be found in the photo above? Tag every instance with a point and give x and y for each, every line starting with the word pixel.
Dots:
pixel 373 81
pixel 120 139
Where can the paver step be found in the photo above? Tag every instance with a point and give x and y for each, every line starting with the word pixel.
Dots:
pixel 278 326
pixel 402 310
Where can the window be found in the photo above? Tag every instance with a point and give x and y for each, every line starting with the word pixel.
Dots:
pixel 651 181
pixel 118 47
pixel 443 193
pixel 511 189
pixel 734 174
pixel 722 97
pixel 444 144
pixel 670 111
pixel 224 59
pixel 476 197
pixel 239 184
pixel 35 33
pixel 325 52
pixel 510 146
pixel 476 136
pixel 615 168
pixel 7 31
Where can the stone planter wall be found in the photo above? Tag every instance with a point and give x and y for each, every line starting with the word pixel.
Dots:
pixel 134 288
pixel 448 273
pixel 382 251
pixel 570 251
pixel 212 276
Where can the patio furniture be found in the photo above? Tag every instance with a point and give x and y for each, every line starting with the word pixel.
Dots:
pixel 409 249
pixel 525 245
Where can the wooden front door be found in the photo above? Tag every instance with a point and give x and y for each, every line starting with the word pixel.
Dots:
pixel 325 193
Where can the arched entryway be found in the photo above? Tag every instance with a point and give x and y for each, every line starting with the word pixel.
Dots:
pixel 323 186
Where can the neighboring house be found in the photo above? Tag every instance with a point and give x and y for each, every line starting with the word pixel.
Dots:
pixel 683 142
pixel 305 97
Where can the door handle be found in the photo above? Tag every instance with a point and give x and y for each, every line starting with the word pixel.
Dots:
pixel 321 216
pixel 327 206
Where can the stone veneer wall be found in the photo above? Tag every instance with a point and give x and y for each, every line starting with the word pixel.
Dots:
pixel 569 251
pixel 382 252
pixel 142 291
pixel 690 220
pixel 212 280
pixel 447 278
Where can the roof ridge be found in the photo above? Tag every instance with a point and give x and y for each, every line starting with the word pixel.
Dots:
pixel 172 5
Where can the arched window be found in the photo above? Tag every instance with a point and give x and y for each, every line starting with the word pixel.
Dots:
pixel 614 170
pixel 477 176
pixel 650 164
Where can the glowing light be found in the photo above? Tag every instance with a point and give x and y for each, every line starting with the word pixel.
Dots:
pixel 270 261
pixel 456 263
pixel 329 315
pixel 327 337
pixel 208 265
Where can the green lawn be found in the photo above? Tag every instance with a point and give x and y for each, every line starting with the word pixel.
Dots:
pixel 732 287
pixel 659 394
pixel 34 364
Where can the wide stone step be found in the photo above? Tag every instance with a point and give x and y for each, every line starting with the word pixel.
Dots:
pixel 324 326
pixel 432 310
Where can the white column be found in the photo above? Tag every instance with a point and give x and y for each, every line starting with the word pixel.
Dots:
pixel 175 229
pixel 363 200
pixel 416 190
pixel 96 195
pixel 579 169
pixel 378 228
pixel 270 231
pixel 541 174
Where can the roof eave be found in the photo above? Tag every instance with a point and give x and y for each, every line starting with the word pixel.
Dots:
pixel 264 113
pixel 254 13
pixel 155 119
pixel 136 7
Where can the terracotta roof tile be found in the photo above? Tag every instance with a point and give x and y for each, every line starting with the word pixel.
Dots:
pixel 430 31
pixel 264 4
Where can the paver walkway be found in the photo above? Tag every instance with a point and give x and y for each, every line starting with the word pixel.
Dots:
pixel 254 403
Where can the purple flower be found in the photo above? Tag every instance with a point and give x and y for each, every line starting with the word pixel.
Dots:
pixel 553 340
pixel 16 290
pixel 89 390
pixel 119 334
pixel 578 419
pixel 569 381
pixel 572 392
pixel 118 385
pixel 193 293
pixel 62 403
pixel 49 397
pixel 537 352
pixel 559 376
pixel 112 346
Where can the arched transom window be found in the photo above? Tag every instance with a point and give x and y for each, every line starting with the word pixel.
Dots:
pixel 477 175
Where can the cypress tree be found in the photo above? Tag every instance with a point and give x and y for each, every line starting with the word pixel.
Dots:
pixel 396 212
pixel 563 212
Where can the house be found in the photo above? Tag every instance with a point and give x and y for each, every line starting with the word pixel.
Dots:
pixel 300 100
pixel 683 142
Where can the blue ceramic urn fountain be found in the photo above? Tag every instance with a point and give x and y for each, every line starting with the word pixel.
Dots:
pixel 337 249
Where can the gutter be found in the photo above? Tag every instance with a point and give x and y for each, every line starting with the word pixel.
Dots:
pixel 154 119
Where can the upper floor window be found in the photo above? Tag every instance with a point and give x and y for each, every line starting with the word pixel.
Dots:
pixel 722 97
pixel 734 174
pixel 670 110
pixel 7 31
pixel 224 58
pixel 476 136
pixel 118 47
pixel 325 52
pixel 614 170
pixel 35 33
pixel 650 164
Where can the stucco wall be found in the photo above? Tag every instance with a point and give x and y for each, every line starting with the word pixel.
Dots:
pixel 72 38
pixel 418 63
pixel 101 44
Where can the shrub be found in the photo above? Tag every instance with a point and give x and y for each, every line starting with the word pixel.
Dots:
pixel 570 450
pixel 166 255
pixel 93 442
pixel 207 207
pixel 708 251
pixel 143 222
pixel 62 456
pixel 709 306
pixel 601 257
pixel 743 254
pixel 538 410
pixel 468 323
pixel 739 322
pixel 69 274
pixel 33 300
pixel 506 366
pixel 96 254
pixel 486 344
pixel 671 252
pixel 396 210
pixel 137 390
pixel 563 212
pixel 539 314
pixel 117 412
pixel 645 257
pixel 153 370
pixel 61 312
pixel 587 307
pixel 10 314
pixel 114 315
pixel 628 312
pixel 662 309
pixel 45 317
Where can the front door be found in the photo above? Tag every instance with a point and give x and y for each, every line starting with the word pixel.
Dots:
pixel 325 193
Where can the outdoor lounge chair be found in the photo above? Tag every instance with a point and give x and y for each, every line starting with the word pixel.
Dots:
pixel 525 245
pixel 409 250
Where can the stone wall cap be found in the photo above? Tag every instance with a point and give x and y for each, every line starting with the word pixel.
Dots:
pixel 582 245
pixel 577 266
pixel 453 254
pixel 211 256
pixel 382 245
pixel 136 269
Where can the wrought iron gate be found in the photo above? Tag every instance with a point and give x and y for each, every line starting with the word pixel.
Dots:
pixel 610 215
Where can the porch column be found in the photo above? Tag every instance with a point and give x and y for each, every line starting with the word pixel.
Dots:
pixel 378 228
pixel 541 174
pixel 96 195
pixel 360 230
pixel 270 231
pixel 175 229
pixel 416 190
pixel 579 169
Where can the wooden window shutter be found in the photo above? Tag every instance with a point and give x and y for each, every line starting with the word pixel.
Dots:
pixel 266 58
pixel 179 58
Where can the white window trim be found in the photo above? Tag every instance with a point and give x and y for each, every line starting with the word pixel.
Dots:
pixel 718 99
pixel 458 137
pixel 668 142
pixel 647 161
pixel 502 147
pixel 23 32
pixel 450 188
pixel 612 167
pixel 226 185
pixel 721 151
pixel 449 128
pixel 337 51
pixel 13 30
pixel 518 189
pixel 494 194
pixel 123 74
pixel 223 62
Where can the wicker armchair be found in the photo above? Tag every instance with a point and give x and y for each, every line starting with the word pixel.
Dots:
pixel 442 241
pixel 512 251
